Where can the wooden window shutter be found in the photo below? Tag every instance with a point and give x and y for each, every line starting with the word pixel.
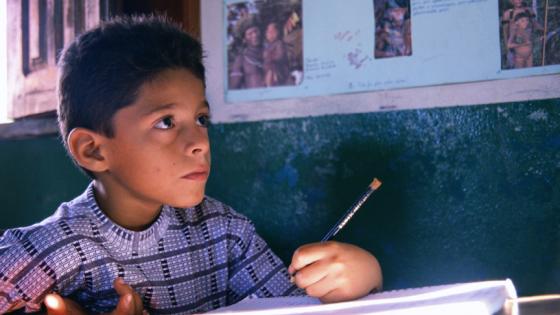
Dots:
pixel 37 32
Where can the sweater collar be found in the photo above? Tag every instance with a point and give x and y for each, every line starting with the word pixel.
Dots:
pixel 128 241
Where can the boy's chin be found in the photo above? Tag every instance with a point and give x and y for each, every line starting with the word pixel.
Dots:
pixel 191 202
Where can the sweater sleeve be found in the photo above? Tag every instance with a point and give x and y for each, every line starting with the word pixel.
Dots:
pixel 26 271
pixel 254 269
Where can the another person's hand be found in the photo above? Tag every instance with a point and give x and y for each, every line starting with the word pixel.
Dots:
pixel 335 272
pixel 130 302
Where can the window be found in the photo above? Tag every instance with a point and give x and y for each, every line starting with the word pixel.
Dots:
pixel 33 32
pixel 3 65
pixel 37 32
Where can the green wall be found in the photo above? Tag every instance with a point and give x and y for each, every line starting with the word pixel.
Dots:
pixel 469 193
pixel 35 177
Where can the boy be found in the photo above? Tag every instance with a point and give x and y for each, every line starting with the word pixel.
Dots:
pixel 143 236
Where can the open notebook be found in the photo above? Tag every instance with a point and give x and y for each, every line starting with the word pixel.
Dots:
pixel 474 298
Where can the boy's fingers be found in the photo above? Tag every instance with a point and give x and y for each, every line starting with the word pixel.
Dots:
pixel 125 306
pixel 329 289
pixel 121 287
pixel 311 274
pixel 310 253
pixel 129 302
pixel 330 297
pixel 322 290
pixel 55 305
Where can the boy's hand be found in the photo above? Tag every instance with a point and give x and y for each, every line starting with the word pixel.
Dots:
pixel 129 302
pixel 334 272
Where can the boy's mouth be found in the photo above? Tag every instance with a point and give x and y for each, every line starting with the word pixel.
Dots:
pixel 199 174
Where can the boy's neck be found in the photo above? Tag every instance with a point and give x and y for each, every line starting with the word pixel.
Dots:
pixel 128 212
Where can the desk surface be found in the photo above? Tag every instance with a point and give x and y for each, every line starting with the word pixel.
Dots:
pixel 539 305
pixel 545 305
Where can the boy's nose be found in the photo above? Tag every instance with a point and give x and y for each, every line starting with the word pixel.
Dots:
pixel 196 141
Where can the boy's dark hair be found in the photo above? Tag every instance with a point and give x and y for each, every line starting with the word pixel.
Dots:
pixel 103 69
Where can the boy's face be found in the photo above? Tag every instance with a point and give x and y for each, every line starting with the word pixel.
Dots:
pixel 160 152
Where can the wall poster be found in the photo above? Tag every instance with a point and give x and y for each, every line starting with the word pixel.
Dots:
pixel 291 49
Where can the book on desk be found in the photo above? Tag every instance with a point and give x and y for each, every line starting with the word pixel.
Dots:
pixel 475 298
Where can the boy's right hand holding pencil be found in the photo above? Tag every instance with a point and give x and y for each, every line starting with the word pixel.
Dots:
pixel 334 271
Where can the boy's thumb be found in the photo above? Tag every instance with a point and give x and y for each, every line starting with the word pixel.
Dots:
pixel 55 304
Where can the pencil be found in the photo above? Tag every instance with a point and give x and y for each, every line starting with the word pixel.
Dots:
pixel 375 184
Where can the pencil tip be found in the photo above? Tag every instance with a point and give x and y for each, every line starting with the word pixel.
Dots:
pixel 375 184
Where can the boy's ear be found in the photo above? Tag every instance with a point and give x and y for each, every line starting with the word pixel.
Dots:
pixel 86 148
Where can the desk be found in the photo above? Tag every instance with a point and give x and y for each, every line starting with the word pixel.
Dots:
pixel 538 305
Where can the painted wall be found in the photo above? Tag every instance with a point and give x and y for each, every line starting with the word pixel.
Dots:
pixel 469 193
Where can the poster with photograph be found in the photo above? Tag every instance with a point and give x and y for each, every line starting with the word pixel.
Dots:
pixel 529 34
pixel 277 49
pixel 264 44
pixel 393 30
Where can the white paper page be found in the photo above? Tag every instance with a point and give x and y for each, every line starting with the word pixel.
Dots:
pixel 473 298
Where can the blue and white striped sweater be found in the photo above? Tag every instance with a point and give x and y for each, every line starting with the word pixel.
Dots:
pixel 189 260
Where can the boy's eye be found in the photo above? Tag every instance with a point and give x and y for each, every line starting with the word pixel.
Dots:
pixel 203 120
pixel 165 123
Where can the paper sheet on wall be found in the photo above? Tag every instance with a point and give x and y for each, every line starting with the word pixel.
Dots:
pixel 332 47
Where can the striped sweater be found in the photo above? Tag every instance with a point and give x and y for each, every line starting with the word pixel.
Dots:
pixel 189 260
